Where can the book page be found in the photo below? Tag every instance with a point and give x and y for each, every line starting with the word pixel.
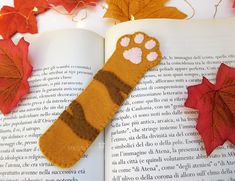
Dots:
pixel 64 63
pixel 153 136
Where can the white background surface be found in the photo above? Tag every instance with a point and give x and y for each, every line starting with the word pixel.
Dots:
pixel 52 20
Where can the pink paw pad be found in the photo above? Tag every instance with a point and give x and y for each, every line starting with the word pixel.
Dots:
pixel 152 56
pixel 134 55
pixel 150 44
pixel 139 38
pixel 125 41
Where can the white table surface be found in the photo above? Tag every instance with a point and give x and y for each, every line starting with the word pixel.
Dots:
pixel 52 20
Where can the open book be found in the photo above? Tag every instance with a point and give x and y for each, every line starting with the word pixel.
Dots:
pixel 153 135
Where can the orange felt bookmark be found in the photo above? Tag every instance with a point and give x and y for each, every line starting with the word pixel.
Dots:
pixel 65 142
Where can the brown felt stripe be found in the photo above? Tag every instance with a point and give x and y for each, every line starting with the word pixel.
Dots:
pixel 114 86
pixel 78 123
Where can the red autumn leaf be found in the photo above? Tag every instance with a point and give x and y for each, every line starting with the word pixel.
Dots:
pixel 35 6
pixel 21 18
pixel 216 106
pixel 12 21
pixel 70 5
pixel 14 72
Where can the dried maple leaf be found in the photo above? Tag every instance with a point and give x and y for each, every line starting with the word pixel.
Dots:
pixel 125 10
pixel 14 72
pixel 22 17
pixel 216 106
pixel 70 5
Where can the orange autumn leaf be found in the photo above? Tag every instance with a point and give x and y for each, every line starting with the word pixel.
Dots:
pixel 125 10
pixel 15 70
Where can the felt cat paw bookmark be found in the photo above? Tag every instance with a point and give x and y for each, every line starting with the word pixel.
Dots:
pixel 65 142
